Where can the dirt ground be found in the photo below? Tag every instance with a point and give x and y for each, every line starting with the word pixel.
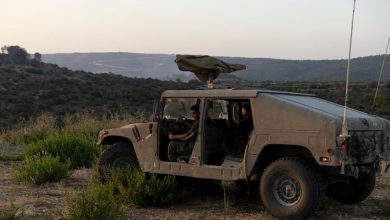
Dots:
pixel 48 202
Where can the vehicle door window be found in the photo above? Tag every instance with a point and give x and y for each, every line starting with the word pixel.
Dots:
pixel 174 108
pixel 215 131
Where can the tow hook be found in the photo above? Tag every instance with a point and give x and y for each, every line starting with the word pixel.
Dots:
pixel 355 171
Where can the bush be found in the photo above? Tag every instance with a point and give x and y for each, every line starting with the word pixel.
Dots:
pixel 41 169
pixel 97 202
pixel 140 189
pixel 80 152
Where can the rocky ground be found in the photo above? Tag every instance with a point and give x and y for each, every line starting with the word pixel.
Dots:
pixel 48 202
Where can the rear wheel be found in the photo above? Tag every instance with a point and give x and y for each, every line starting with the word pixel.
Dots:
pixel 291 188
pixel 354 191
pixel 117 156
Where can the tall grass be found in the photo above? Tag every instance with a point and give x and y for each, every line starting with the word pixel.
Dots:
pixel 30 131
pixel 87 126
pixel 84 125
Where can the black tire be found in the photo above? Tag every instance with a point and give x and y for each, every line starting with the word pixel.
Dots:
pixel 291 188
pixel 117 156
pixel 354 191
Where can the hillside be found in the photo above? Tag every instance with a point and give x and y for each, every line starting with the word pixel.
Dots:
pixel 27 91
pixel 162 66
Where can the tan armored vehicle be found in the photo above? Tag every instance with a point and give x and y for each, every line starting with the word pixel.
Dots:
pixel 292 145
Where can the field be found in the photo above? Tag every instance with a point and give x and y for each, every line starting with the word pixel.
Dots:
pixel 207 201
pixel 48 201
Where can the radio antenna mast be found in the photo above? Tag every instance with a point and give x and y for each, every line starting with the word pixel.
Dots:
pixel 380 76
pixel 344 131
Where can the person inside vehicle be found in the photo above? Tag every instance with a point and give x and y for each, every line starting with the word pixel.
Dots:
pixel 242 132
pixel 182 144
pixel 246 124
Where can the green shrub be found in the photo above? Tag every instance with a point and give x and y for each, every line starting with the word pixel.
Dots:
pixel 80 152
pixel 135 187
pixel 97 202
pixel 41 169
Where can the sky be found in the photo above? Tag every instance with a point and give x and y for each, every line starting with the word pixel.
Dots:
pixel 286 29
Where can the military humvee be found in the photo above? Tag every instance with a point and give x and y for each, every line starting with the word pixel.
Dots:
pixel 294 152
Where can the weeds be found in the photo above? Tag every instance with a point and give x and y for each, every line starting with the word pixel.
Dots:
pixel 226 202
pixel 384 205
pixel 9 212
pixel 40 169
pixel 329 204
pixel 97 202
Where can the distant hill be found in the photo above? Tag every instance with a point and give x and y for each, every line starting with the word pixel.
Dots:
pixel 162 66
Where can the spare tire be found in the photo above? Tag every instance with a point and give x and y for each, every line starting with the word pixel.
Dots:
pixel 354 190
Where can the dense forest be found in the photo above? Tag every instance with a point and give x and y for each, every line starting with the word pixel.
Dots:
pixel 29 87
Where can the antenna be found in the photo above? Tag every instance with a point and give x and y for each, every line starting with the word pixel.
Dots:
pixel 344 131
pixel 380 76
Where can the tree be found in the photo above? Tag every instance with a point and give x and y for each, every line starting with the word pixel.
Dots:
pixel 16 54
pixel 37 60
pixel 3 49
pixel 38 57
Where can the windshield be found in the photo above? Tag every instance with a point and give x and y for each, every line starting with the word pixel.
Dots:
pixel 178 107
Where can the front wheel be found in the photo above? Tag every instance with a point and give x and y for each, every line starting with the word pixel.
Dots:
pixel 291 188
pixel 116 157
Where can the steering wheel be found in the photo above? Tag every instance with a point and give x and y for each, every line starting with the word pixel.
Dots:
pixel 171 126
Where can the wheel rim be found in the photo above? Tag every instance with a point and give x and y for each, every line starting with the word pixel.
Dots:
pixel 286 190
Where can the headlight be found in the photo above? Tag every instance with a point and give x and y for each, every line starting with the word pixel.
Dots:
pixel 102 133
